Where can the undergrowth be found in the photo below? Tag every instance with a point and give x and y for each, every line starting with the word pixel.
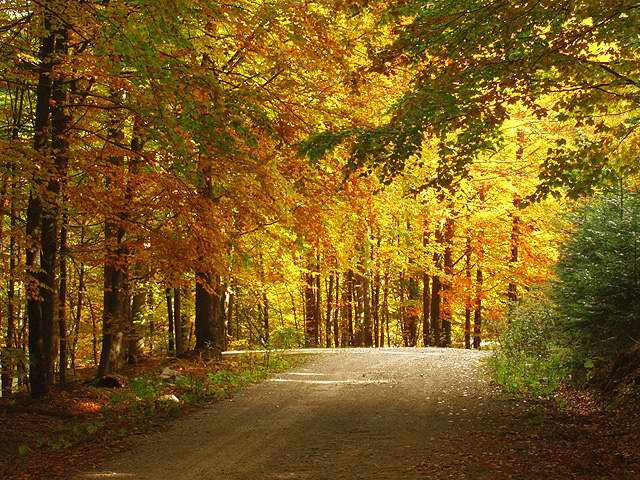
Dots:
pixel 530 359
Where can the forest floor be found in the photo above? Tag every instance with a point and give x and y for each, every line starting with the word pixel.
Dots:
pixel 385 414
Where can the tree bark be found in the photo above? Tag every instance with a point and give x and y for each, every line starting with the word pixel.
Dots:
pixel 447 310
pixel 467 295
pixel 62 299
pixel 177 321
pixel 170 318
pixel 310 320
pixel 328 322
pixel 436 290
pixel 42 217
pixel 426 300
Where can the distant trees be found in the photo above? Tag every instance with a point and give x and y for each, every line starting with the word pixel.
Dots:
pixel 153 199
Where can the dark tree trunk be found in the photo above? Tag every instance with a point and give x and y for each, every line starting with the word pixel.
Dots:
pixel 477 314
pixel 426 300
pixel 378 336
pixel 62 299
pixel 436 290
pixel 336 328
pixel 204 311
pixel 42 215
pixel 467 299
pixel 170 318
pixel 310 320
pixel 135 337
pixel 318 312
pixel 329 317
pixel 512 290
pixel 385 309
pixel 265 317
pixel 403 310
pixel 8 356
pixel 447 310
pixel 79 305
pixel 94 331
pixel 210 317
pixel 115 316
pixel 177 321
pixel 412 312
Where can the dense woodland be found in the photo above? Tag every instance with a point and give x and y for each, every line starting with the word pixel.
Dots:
pixel 192 176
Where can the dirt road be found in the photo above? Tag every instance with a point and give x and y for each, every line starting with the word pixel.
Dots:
pixel 356 414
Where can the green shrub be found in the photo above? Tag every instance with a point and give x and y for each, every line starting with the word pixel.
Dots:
pixel 529 359
pixel 286 337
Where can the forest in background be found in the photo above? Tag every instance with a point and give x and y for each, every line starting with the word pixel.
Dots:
pixel 196 176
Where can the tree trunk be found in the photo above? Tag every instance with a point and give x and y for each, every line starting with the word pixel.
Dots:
pixel 336 328
pixel 477 314
pixel 76 326
pixel 62 299
pixel 436 290
pixel 512 290
pixel 265 317
pixel 467 295
pixel 178 324
pixel 412 312
pixel 310 321
pixel 170 318
pixel 9 355
pixel 209 313
pixel 447 310
pixel 426 300
pixel 385 309
pixel 42 215
pixel 329 317
pixel 115 316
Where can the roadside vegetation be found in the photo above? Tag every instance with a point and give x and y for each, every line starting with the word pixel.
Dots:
pixel 583 329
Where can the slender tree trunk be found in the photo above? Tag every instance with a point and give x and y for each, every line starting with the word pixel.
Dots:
pixel 447 310
pixel 135 346
pixel 477 314
pixel 329 317
pixel 467 295
pixel 378 330
pixel 115 318
pixel 310 321
pixel 436 290
pixel 8 357
pixel 62 301
pixel 318 305
pixel 512 290
pixel 177 321
pixel 265 317
pixel 170 317
pixel 336 328
pixel 79 305
pixel 412 312
pixel 403 310
pixel 94 331
pixel 426 299
pixel 385 309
